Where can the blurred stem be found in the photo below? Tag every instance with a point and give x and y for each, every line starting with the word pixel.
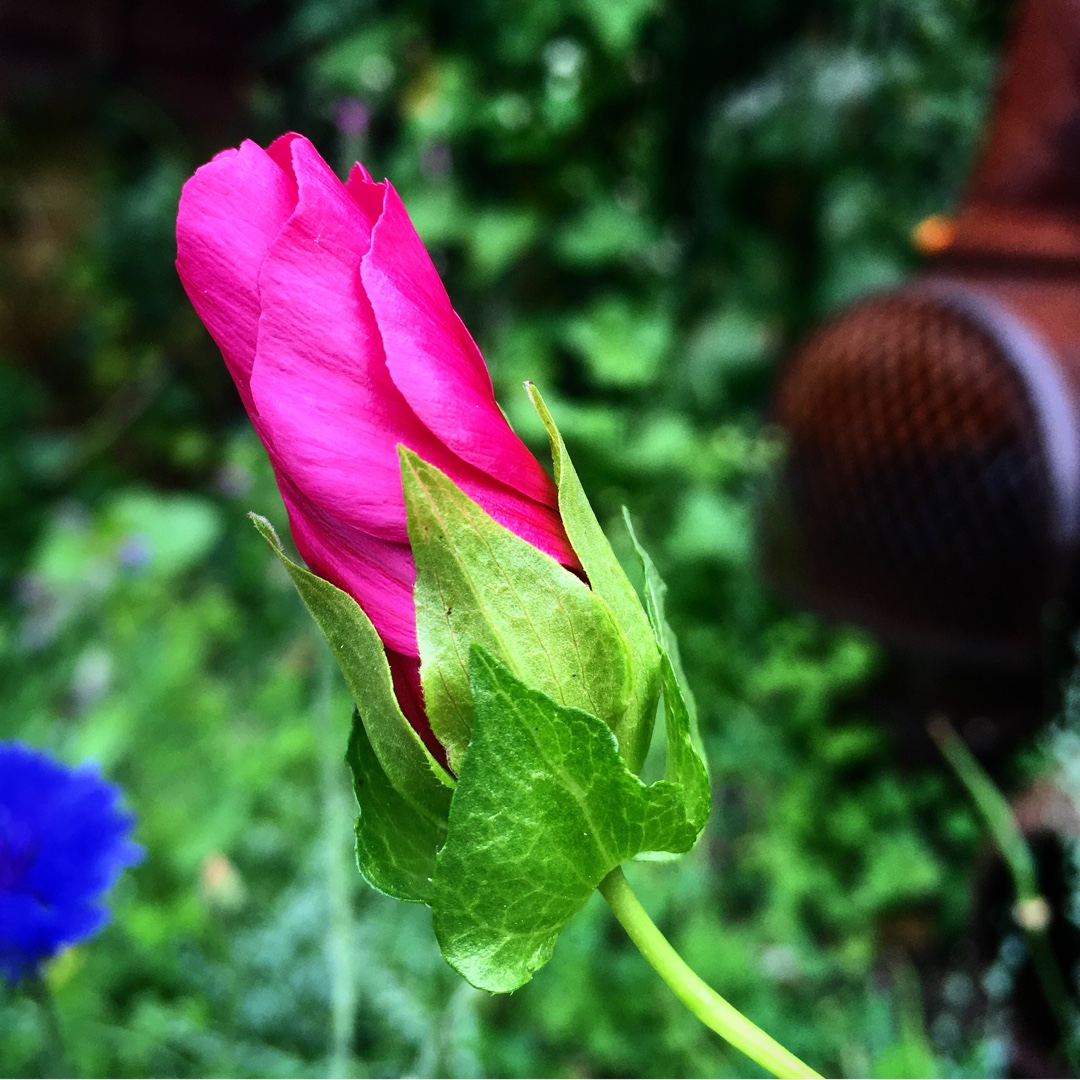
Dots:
pixel 704 1002
pixel 992 805
pixel 1032 913
pixel 53 1055
pixel 338 870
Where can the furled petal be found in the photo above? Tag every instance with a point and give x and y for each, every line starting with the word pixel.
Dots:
pixel 535 522
pixel 231 210
pixel 368 194
pixel 320 381
pixel 279 258
pixel 378 574
pixel 405 671
pixel 433 359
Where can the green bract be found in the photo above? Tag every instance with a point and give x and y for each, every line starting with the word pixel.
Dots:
pixel 479 584
pixel 543 811
pixel 544 690
pixel 608 580
pixel 404 793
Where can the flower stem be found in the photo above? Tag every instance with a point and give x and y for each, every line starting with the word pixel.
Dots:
pixel 53 1056
pixel 704 1002
pixel 1032 913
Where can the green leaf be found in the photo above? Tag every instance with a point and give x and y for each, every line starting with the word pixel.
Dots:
pixel 622 346
pixel 395 843
pixel 655 596
pixel 543 810
pixel 476 582
pixel 617 25
pixel 686 761
pixel 609 581
pixel 685 766
pixel 420 780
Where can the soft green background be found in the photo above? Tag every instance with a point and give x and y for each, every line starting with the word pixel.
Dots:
pixel 637 205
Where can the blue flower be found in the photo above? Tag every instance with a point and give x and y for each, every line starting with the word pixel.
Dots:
pixel 64 840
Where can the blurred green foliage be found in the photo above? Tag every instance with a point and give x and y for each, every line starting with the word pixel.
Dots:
pixel 636 205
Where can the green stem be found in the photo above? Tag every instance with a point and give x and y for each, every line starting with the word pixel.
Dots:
pixel 704 1002
pixel 53 1057
pixel 1032 912
pixel 992 805
pixel 1056 991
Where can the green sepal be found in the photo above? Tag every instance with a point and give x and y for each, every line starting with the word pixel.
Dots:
pixel 396 844
pixel 608 580
pixel 655 595
pixel 414 774
pixel 685 767
pixel 479 583
pixel 543 810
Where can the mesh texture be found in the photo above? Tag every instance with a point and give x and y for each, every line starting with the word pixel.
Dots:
pixel 915 491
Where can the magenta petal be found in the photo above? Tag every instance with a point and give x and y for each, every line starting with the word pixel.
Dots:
pixel 378 574
pixel 231 210
pixel 320 381
pixel 535 522
pixel 343 344
pixel 405 671
pixel 434 361
pixel 368 195
pixel 332 414
pixel 280 151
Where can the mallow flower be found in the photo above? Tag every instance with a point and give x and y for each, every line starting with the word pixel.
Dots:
pixel 343 344
pixel 505 672
pixel 64 840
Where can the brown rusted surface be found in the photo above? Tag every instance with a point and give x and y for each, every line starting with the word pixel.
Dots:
pixel 1031 159
pixel 899 374
pixel 1024 196
pixel 931 488
pixel 915 497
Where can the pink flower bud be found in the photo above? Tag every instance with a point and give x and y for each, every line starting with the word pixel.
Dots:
pixel 343 344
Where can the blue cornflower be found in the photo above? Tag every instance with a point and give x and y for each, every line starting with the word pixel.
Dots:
pixel 64 840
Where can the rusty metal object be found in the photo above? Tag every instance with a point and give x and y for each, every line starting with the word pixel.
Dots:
pixel 932 484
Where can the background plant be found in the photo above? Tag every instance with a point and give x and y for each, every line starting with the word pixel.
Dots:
pixel 637 206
